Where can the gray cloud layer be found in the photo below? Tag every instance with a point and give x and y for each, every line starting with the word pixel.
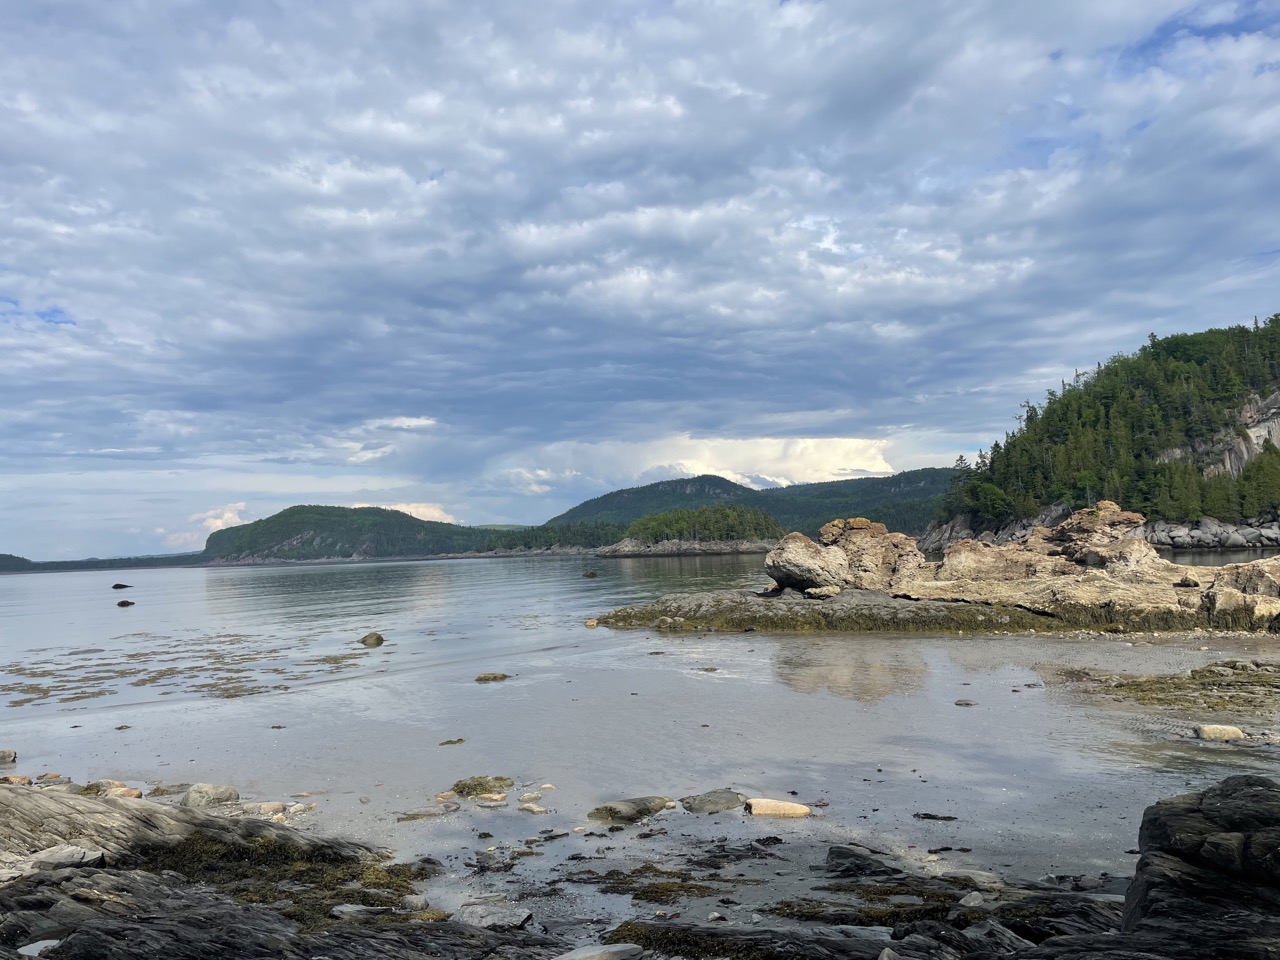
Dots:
pixel 499 257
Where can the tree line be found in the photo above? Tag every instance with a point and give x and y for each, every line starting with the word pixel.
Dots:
pixel 1147 430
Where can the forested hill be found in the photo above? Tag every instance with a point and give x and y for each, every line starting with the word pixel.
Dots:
pixel 906 501
pixel 314 533
pixel 1179 430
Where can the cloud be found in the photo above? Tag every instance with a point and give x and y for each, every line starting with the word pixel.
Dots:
pixel 759 461
pixel 423 511
pixel 238 262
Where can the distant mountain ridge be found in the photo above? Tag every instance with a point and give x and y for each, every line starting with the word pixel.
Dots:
pixel 355 533
pixel 906 501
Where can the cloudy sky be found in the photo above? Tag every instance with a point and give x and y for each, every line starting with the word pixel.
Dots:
pixel 486 260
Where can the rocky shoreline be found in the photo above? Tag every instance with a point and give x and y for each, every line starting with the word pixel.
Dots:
pixel 1092 571
pixel 1205 533
pixel 119 877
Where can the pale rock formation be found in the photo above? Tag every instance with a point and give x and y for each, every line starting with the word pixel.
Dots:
pixel 1093 567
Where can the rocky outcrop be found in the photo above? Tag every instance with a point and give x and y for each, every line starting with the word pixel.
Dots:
pixel 1206 533
pixel 1207 886
pixel 1210 534
pixel 1093 569
pixel 121 830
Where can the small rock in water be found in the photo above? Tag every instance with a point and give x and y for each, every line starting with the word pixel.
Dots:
pixel 532 797
pixel 451 743
pixel 499 916
pixel 532 808
pixel 474 786
pixel 266 809
pixel 492 677
pixel 629 810
pixel 373 639
pixel 764 807
pixel 714 801
pixel 966 703
pixel 1219 731
pixel 209 795
pixel 591 623
pixel 124 603
pixel 433 810
pixel 8 756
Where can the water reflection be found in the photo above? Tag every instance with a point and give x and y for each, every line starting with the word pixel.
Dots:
pixel 866 668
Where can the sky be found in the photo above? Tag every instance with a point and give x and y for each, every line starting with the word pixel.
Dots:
pixel 483 261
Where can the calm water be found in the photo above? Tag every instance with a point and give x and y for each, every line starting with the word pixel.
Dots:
pixel 254 676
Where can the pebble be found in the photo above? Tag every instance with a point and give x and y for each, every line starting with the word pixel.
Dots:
pixel 966 703
pixel 532 797
pixel 973 899
pixel 532 808
pixel 8 756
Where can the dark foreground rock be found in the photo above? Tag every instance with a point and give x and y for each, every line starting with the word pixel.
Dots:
pixel 158 881
pixel 1207 886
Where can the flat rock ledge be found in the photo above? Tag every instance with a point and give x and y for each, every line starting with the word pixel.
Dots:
pixel 790 611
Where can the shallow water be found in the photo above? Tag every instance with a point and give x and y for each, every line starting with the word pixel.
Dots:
pixel 253 676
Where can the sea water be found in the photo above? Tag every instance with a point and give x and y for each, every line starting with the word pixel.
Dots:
pixel 255 676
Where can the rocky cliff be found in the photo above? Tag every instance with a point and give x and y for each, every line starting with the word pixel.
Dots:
pixel 1094 569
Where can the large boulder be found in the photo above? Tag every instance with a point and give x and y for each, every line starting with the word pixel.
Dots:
pixel 799 563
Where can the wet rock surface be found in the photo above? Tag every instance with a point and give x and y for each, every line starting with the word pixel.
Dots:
pixel 1207 885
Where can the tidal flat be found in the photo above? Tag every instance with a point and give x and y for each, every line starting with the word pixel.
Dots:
pixel 1046 772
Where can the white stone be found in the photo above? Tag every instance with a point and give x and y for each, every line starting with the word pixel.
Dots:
pixel 1219 731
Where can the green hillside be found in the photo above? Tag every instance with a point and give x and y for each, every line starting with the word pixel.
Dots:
pixel 711 521
pixel 1149 430
pixel 624 506
pixel 317 533
pixel 906 501
pixel 12 564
